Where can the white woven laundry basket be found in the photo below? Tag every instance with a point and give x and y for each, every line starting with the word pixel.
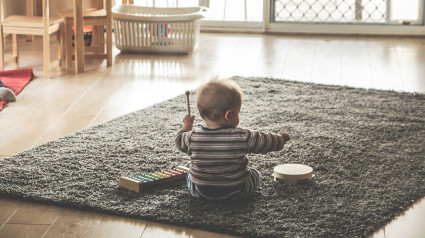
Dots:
pixel 148 29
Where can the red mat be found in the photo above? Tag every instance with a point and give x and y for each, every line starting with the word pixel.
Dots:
pixel 16 80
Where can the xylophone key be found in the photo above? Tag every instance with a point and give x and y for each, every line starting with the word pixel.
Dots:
pixel 141 179
pixel 135 178
pixel 176 171
pixel 161 174
pixel 167 173
pixel 180 170
pixel 172 172
pixel 151 176
pixel 156 176
pixel 185 169
pixel 146 178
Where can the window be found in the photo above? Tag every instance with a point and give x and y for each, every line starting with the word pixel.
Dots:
pixel 348 11
pixel 308 16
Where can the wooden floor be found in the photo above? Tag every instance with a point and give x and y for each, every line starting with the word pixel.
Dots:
pixel 50 108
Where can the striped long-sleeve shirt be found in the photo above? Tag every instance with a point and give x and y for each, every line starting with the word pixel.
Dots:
pixel 218 155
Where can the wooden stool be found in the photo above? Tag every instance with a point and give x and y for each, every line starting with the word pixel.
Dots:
pixel 31 25
pixel 98 18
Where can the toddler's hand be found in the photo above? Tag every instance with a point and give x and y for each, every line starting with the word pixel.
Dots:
pixel 285 136
pixel 188 121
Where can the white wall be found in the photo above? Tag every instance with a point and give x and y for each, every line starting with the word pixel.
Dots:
pixel 11 7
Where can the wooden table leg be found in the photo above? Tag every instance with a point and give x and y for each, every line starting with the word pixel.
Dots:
pixel 79 36
pixel 30 12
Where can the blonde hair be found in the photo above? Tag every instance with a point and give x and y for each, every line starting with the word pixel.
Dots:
pixel 216 97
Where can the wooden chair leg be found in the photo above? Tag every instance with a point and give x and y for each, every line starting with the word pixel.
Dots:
pixel 15 50
pixel 108 45
pixel 29 12
pixel 94 39
pixel 1 48
pixel 102 38
pixel 68 44
pixel 46 56
pixel 61 46
pixel 109 33
pixel 98 41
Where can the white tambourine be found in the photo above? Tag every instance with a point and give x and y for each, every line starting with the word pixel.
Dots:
pixel 293 173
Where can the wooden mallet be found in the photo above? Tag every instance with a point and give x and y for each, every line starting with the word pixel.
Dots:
pixel 188 104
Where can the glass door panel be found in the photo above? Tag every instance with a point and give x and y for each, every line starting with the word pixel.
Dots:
pixel 396 12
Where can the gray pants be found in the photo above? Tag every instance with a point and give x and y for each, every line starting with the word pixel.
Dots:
pixel 225 193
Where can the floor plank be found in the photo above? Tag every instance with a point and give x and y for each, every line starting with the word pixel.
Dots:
pixel 410 224
pixel 23 231
pixel 74 223
pixel 112 227
pixel 7 208
pixel 35 214
pixel 206 234
pixel 160 230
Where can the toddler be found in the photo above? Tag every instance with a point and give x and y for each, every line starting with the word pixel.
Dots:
pixel 219 168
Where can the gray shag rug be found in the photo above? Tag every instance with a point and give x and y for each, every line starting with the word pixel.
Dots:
pixel 367 148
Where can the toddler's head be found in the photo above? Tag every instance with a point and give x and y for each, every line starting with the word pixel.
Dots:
pixel 220 101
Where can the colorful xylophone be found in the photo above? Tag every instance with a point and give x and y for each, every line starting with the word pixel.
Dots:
pixel 138 182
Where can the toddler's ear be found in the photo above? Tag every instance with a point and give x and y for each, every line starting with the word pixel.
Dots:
pixel 228 115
